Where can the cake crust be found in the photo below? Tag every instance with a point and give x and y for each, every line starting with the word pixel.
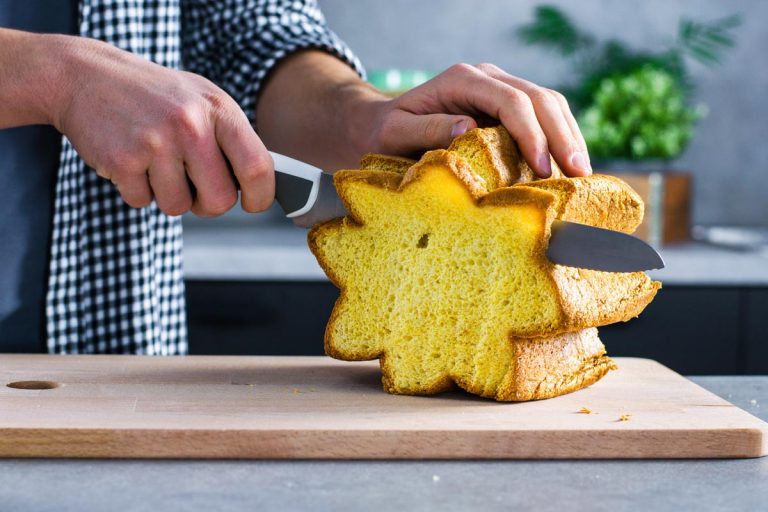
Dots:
pixel 389 163
pixel 598 200
pixel 496 157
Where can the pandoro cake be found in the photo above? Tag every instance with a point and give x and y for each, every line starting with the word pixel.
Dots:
pixel 447 282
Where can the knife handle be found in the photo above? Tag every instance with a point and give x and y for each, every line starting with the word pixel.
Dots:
pixel 296 184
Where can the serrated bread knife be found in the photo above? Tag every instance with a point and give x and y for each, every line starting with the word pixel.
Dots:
pixel 308 197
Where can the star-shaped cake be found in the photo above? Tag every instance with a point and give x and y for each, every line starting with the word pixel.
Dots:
pixel 447 282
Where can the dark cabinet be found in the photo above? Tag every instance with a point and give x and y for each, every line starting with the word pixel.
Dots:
pixel 756 330
pixel 694 330
pixel 282 318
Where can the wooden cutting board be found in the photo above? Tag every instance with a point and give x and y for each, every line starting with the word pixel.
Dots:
pixel 315 407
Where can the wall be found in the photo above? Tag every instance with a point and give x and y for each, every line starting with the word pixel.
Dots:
pixel 729 156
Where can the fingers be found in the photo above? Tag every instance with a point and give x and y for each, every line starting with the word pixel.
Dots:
pixel 128 174
pixel 168 180
pixel 153 132
pixel 564 138
pixel 208 171
pixel 509 105
pixel 563 135
pixel 193 153
pixel 569 151
pixel 539 119
pixel 577 163
pixel 519 117
pixel 577 135
pixel 566 109
pixel 408 133
pixel 135 190
pixel 251 163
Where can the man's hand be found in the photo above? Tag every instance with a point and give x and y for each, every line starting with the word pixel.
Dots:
pixel 431 115
pixel 316 108
pixel 147 128
pixel 150 129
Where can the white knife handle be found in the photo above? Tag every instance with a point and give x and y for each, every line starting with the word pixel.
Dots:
pixel 299 169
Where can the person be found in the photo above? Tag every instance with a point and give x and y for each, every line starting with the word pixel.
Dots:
pixel 111 108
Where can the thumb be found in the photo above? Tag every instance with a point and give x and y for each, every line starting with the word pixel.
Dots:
pixel 415 132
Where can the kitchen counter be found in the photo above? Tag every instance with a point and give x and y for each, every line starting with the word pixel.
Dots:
pixel 247 253
pixel 83 485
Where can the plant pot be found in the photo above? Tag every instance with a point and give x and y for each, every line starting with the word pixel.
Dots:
pixel 666 194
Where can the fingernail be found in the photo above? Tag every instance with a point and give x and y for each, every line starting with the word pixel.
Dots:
pixel 545 165
pixel 580 160
pixel 459 128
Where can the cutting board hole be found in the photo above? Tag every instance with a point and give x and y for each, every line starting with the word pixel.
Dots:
pixel 33 384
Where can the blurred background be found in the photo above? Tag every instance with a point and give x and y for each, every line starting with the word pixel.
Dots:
pixel 729 152
pixel 671 96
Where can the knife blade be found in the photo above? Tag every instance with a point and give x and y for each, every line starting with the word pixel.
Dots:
pixel 308 197
pixel 582 246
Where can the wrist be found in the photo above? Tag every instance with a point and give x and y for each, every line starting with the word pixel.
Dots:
pixel 24 79
pixel 40 76
pixel 57 59
pixel 362 107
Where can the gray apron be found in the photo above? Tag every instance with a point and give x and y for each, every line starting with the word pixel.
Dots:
pixel 29 159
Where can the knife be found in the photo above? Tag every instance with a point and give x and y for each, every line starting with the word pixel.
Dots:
pixel 307 196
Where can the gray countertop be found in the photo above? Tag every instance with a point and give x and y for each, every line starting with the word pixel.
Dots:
pixel 259 253
pixel 68 485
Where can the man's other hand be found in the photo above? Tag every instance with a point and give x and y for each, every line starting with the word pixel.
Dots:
pixel 153 130
pixel 431 115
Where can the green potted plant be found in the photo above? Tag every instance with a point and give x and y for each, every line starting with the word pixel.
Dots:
pixel 639 116
pixel 634 106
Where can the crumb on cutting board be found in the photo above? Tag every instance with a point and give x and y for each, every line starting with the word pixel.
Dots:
pixel 585 410
pixel 624 417
pixel 297 390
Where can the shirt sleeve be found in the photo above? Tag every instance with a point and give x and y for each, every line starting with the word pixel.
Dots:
pixel 235 43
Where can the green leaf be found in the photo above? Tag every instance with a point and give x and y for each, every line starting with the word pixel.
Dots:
pixel 552 28
pixel 706 42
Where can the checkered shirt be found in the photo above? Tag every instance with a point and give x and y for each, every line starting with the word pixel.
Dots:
pixel 116 282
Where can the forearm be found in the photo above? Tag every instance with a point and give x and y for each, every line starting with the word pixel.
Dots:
pixel 30 77
pixel 316 108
